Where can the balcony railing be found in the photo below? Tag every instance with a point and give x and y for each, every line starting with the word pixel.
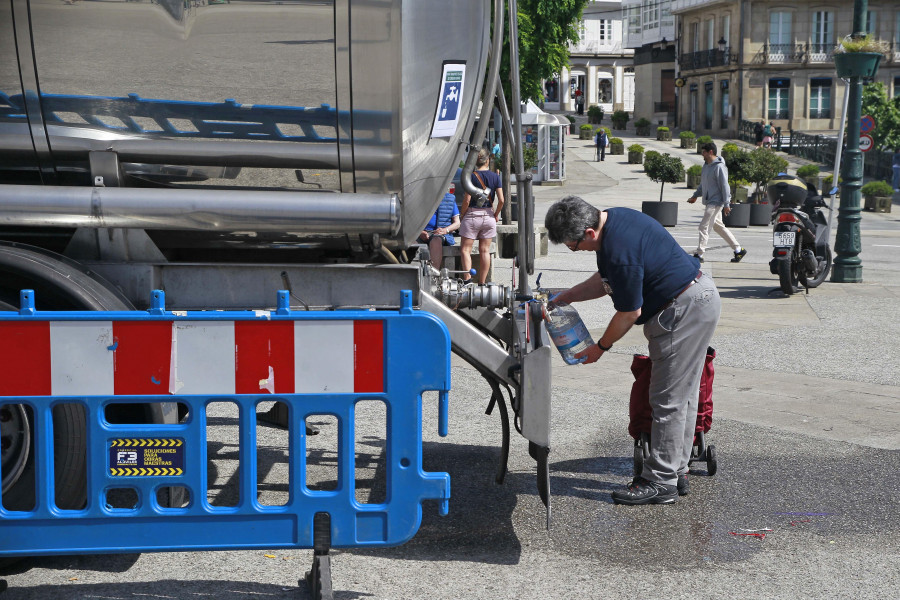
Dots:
pixel 664 107
pixel 706 59
pixel 821 52
pixel 781 54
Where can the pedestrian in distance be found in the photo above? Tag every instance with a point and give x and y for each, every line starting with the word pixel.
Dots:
pixel 758 134
pixel 439 230
pixel 768 133
pixel 716 201
pixel 654 283
pixel 479 218
pixel 602 142
pixel 579 102
pixel 895 163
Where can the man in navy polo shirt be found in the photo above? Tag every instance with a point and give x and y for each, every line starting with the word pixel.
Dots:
pixel 653 282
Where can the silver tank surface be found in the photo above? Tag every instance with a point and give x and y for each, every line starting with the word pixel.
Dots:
pixel 346 92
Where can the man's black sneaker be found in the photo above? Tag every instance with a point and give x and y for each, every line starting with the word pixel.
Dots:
pixel 641 491
pixel 684 486
pixel 698 257
pixel 739 255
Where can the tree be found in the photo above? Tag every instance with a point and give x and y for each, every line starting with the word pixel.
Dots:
pixel 545 29
pixel 763 165
pixel 664 169
pixel 886 112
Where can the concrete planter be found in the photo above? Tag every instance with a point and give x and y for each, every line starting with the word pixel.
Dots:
pixel 664 136
pixel 693 181
pixel 738 217
pixel 635 158
pixel 617 148
pixel 880 204
pixel 585 134
pixel 814 180
pixel 642 130
pixel 760 215
pixel 664 212
pixel 689 143
pixel 619 125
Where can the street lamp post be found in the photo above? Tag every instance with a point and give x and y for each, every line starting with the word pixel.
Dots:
pixel 847 245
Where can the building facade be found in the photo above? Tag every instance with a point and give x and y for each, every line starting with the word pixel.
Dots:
pixel 766 60
pixel 650 32
pixel 599 64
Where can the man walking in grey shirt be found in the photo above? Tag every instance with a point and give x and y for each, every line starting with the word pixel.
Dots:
pixel 716 202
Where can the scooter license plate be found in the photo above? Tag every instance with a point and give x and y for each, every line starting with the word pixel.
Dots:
pixel 784 239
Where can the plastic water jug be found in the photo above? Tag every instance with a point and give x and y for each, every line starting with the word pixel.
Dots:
pixel 567 331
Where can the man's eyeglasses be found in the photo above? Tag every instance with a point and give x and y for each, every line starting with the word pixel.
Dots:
pixel 573 246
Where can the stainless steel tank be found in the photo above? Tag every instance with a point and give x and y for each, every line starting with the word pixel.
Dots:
pixel 336 95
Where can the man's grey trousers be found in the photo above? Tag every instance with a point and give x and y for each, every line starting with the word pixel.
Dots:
pixel 678 337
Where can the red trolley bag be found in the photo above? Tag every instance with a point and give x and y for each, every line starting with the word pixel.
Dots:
pixel 639 417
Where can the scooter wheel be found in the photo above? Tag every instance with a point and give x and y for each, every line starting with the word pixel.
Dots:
pixel 711 464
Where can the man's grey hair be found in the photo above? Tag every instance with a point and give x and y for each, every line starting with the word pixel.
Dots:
pixel 567 219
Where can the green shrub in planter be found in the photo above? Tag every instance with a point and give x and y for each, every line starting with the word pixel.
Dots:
pixel 877 188
pixel 619 119
pixel 585 132
pixel 736 160
pixel 878 196
pixel 688 139
pixel 703 139
pixel 616 146
pixel 807 171
pixel 828 183
pixel 642 126
pixel 763 166
pixel 635 154
pixel 665 169
pixel 684 135
pixel 810 174
pixel 595 113
pixel 693 176
pixel 663 134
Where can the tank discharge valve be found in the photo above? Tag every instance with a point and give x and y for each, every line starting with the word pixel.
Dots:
pixel 456 293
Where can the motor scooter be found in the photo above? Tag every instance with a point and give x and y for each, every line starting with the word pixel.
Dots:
pixel 801 253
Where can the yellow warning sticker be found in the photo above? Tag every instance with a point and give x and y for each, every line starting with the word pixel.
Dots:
pixel 146 457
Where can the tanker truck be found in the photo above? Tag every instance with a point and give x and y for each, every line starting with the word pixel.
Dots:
pixel 198 161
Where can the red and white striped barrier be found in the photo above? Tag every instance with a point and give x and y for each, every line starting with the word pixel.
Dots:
pixel 101 358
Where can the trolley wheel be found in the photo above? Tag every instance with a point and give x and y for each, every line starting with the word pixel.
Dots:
pixel 638 459
pixel 711 464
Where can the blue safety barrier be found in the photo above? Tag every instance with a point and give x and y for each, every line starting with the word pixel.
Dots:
pixel 150 457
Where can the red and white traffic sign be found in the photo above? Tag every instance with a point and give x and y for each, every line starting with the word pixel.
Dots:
pixel 866 142
pixel 866 124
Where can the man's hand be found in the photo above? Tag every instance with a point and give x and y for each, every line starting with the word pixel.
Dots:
pixel 726 211
pixel 692 199
pixel 593 354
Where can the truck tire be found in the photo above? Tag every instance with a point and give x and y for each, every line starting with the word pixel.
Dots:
pixel 59 284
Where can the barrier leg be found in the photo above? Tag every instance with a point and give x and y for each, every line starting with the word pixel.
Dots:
pixel 319 576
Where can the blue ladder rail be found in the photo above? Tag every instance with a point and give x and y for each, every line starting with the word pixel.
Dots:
pixel 175 455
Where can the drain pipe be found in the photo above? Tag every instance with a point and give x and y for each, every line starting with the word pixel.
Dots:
pixel 487 99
